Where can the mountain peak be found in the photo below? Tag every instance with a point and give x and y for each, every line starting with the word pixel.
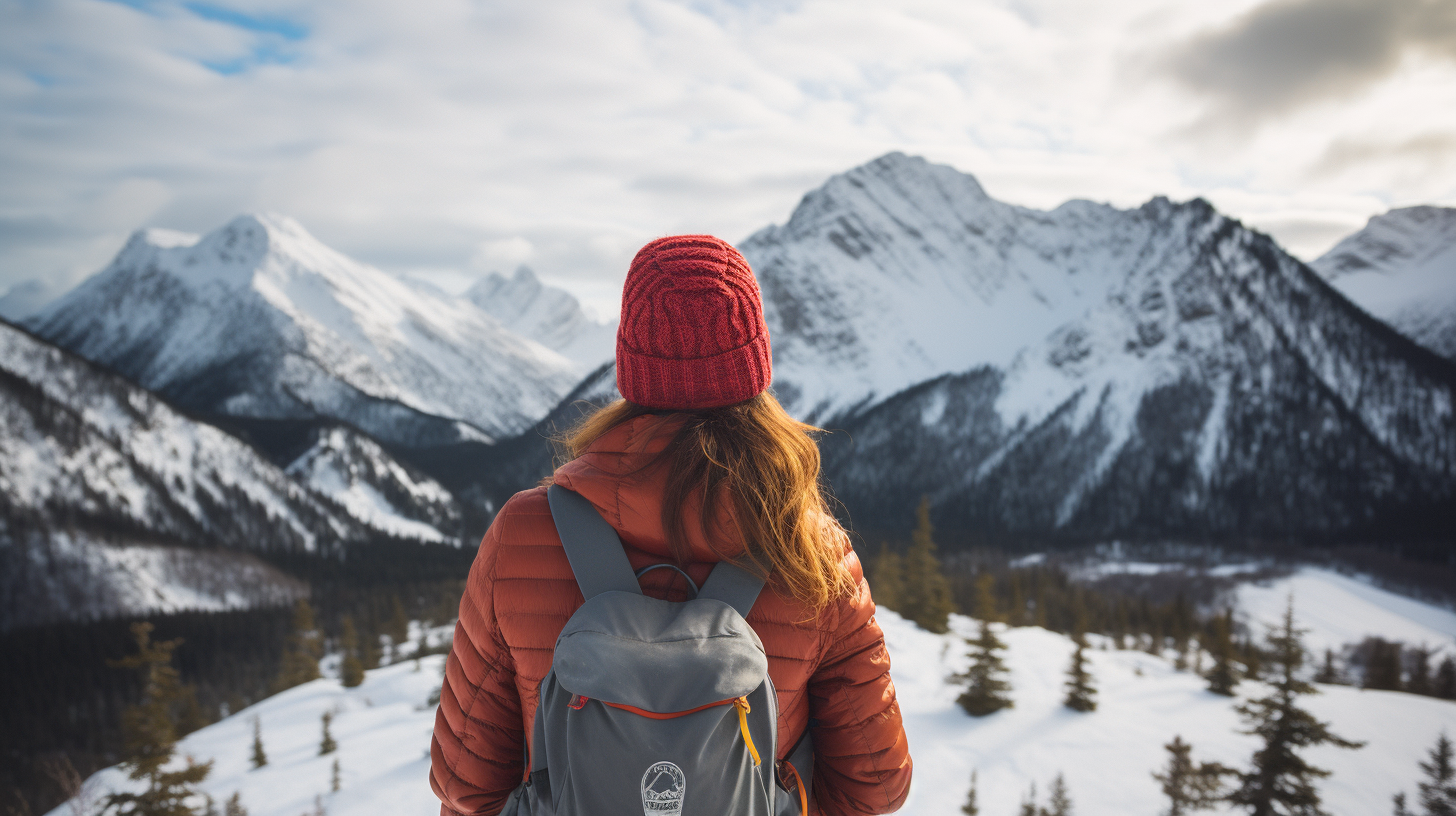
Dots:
pixel 547 314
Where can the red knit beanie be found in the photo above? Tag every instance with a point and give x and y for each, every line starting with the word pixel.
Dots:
pixel 692 333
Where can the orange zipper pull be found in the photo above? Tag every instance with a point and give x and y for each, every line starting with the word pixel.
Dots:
pixel 743 708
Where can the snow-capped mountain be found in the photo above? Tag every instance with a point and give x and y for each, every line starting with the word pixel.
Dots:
pixel 24 299
pixel 259 319
pixel 359 475
pixel 552 317
pixel 111 502
pixel 1089 370
pixel 900 271
pixel 1402 268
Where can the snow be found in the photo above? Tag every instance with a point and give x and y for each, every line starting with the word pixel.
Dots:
pixel 24 299
pixel 1340 610
pixel 322 330
pixel 1107 756
pixel 1402 269
pixel 350 468
pixel 552 317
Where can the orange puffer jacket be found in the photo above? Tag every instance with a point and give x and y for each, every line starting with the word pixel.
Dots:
pixel 831 671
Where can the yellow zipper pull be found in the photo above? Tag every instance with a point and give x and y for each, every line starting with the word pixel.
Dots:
pixel 743 708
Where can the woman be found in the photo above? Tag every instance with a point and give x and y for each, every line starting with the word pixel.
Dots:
pixel 697 464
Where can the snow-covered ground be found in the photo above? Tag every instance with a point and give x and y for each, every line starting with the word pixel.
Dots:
pixel 1107 756
pixel 1339 610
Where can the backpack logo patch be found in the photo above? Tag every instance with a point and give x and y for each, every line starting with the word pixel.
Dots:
pixel 663 786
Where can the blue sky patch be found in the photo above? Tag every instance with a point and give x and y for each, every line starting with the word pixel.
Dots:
pixel 285 28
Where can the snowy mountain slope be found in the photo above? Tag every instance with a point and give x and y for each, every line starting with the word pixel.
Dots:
pixel 260 319
pixel 1339 610
pixel 1402 268
pixel 546 314
pixel 1214 386
pixel 1107 756
pixel 483 476
pixel 383 730
pixel 900 271
pixel 97 474
pixel 359 475
pixel 24 299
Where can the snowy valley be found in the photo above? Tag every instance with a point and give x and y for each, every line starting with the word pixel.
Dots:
pixel 1106 756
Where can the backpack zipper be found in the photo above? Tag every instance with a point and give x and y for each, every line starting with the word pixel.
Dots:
pixel 739 703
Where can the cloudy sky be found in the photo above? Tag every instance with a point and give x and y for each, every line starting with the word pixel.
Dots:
pixel 448 138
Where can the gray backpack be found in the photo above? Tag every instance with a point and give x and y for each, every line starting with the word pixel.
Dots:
pixel 653 704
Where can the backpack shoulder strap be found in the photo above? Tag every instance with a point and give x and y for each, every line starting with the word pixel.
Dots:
pixel 733 585
pixel 592 546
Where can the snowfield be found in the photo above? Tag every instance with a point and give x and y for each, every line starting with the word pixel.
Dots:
pixel 1339 610
pixel 383 727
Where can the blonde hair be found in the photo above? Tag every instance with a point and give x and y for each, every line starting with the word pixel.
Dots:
pixel 767 464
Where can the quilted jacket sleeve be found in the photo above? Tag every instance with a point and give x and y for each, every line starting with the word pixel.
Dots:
pixel 862 761
pixel 476 753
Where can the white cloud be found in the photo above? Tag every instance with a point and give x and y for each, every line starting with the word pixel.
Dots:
pixel 451 135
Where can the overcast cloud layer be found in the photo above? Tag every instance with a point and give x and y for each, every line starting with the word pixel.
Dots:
pixel 445 138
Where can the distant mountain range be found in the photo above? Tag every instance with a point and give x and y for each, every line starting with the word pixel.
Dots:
pixel 1072 375
pixel 112 502
pixel 260 320
pixel 1402 268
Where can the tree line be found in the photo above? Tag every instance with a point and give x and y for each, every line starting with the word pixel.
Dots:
pixel 1277 780
pixel 63 699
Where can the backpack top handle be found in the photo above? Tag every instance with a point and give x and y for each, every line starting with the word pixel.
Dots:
pixel 600 564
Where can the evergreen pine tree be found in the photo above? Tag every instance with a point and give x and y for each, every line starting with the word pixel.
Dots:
pixel 334 780
pixel 1155 640
pixel 1189 786
pixel 1060 803
pixel 986 597
pixel 1081 696
pixel 370 653
pixel 1444 686
pixel 1419 674
pixel 149 731
pixel 1222 677
pixel 1382 665
pixel 1328 673
pixel 985 680
pixel 1279 780
pixel 351 670
pixel 1253 659
pixel 927 599
pixel 259 757
pixel 301 656
pixel 1399 801
pixel 396 628
pixel 327 744
pixel 1017 613
pixel 970 808
pixel 1438 791
pixel 1028 805
pixel 234 806
pixel 887 579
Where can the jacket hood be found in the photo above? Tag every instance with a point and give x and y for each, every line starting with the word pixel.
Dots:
pixel 618 476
